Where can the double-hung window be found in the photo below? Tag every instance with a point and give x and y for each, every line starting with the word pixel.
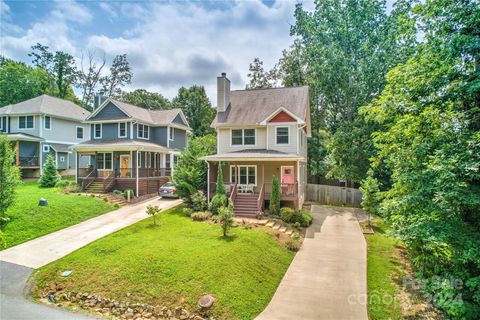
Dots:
pixel 171 133
pixel 46 122
pixel 25 122
pixel 246 174
pixel 97 131
pixel 142 131
pixel 104 161
pixel 122 130
pixel 283 136
pixel 243 137
pixel 79 133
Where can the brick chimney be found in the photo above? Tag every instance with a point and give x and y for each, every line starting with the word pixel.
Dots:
pixel 223 92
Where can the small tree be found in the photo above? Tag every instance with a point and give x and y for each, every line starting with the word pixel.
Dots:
pixel 50 175
pixel 9 177
pixel 220 188
pixel 274 207
pixel 370 194
pixel 152 211
pixel 225 215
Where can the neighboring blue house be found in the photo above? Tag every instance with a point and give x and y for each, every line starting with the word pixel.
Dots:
pixel 130 147
pixel 44 125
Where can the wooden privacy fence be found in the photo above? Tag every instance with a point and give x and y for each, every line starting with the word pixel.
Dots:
pixel 332 195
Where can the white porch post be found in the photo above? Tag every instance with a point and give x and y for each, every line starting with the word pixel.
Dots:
pixel 208 182
pixel 172 165
pixel 136 174
pixel 76 167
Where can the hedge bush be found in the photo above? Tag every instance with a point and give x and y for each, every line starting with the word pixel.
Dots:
pixel 218 201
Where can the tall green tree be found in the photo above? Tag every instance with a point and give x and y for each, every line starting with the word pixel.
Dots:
pixel 9 177
pixel 146 99
pixel 19 82
pixel 50 175
pixel 428 137
pixel 89 76
pixel 197 109
pixel 258 77
pixel 60 67
pixel 189 168
pixel 346 48
pixel 120 75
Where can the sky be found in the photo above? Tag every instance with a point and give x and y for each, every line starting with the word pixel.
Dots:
pixel 169 44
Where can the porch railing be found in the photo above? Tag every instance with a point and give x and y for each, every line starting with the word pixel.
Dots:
pixel 89 179
pixel 261 197
pixel 29 161
pixel 108 182
pixel 142 172
pixel 233 194
pixel 286 189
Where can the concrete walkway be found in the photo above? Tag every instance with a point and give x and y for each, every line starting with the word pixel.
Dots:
pixel 41 251
pixel 328 277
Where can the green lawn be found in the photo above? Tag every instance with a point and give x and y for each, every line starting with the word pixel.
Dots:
pixel 383 268
pixel 179 259
pixel 29 221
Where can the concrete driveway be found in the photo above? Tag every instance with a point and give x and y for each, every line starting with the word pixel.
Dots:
pixel 328 277
pixel 41 251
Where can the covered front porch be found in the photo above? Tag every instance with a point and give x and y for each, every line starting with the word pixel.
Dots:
pixel 139 168
pixel 27 153
pixel 251 177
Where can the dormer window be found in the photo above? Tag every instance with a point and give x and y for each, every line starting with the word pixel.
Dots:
pixel 243 137
pixel 283 135
pixel 122 130
pixel 142 131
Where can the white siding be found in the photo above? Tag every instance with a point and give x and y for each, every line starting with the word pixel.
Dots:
pixel 224 140
pixel 65 131
pixel 291 147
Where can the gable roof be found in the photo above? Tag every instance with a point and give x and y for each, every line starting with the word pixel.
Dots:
pixel 48 105
pixel 252 106
pixel 153 117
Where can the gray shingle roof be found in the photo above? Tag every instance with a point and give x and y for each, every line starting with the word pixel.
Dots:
pixel 155 117
pixel 249 107
pixel 46 104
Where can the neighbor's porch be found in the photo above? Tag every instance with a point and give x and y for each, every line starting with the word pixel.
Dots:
pixel 142 171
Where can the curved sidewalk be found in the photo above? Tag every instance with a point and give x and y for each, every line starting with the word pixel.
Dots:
pixel 328 277
pixel 43 250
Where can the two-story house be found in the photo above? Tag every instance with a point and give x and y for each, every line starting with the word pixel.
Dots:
pixel 260 133
pixel 130 147
pixel 44 125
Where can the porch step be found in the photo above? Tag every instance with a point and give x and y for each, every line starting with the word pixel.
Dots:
pixel 270 224
pixel 278 227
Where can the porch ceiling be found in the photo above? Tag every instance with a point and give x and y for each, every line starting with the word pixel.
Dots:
pixel 253 155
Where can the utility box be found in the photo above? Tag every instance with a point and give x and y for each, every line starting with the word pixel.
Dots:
pixel 43 202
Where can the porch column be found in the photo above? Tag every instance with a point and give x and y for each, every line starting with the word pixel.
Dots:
pixel 76 167
pixel 40 153
pixel 236 173
pixel 17 160
pixel 208 182
pixel 172 165
pixel 136 173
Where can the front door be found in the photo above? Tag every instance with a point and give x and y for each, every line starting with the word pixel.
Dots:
pixel 287 180
pixel 125 165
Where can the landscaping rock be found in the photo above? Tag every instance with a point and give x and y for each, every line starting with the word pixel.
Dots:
pixel 206 301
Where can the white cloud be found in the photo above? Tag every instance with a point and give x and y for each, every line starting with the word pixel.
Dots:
pixel 169 44
pixel 178 44
pixel 108 9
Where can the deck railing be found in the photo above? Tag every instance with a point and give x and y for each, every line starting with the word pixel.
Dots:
pixel 29 161
pixel 108 182
pixel 261 198
pixel 286 189
pixel 89 179
pixel 142 172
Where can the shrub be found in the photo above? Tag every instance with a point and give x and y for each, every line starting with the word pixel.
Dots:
pixel 62 183
pixel 200 216
pixel 293 245
pixel 370 194
pixel 305 217
pixel 185 191
pixel 9 177
pixel 187 211
pixel 199 201
pixel 50 175
pixel 225 215
pixel 218 201
pixel 117 192
pixel 274 207
pixel 220 188
pixel 3 241
pixel 128 191
pixel 92 196
pixel 287 214
pixel 68 186
pixel 152 211
pixel 105 199
pixel 297 225
pixel 116 206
